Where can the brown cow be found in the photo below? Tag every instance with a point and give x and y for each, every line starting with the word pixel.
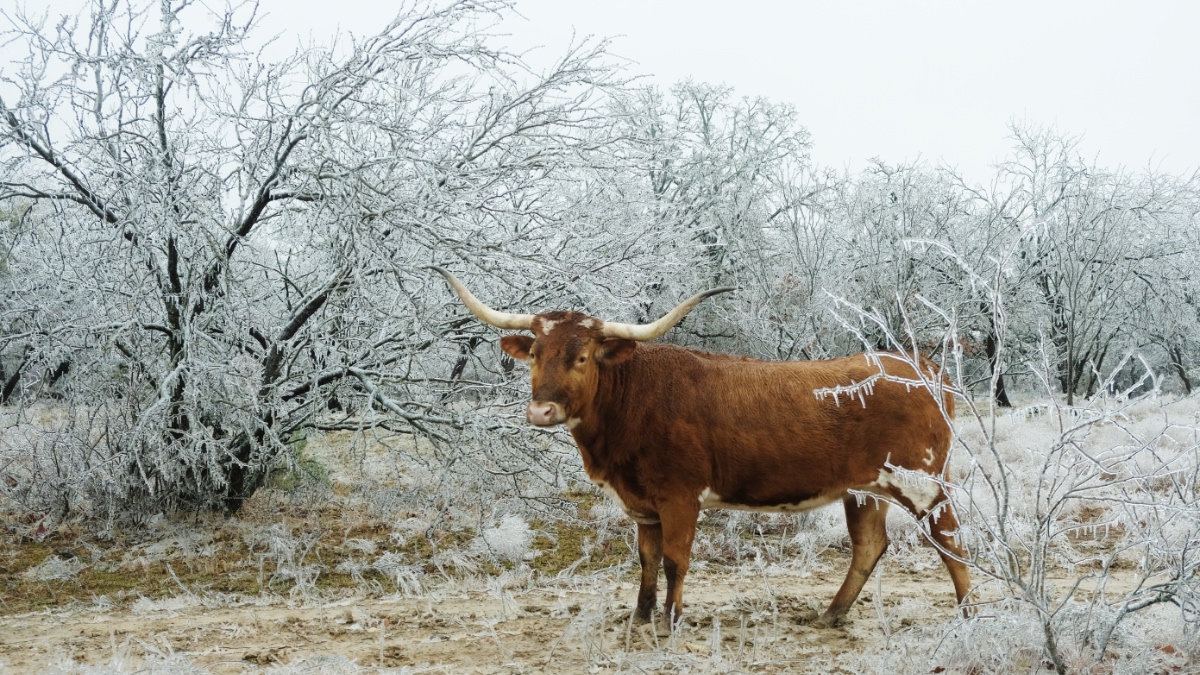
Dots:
pixel 668 431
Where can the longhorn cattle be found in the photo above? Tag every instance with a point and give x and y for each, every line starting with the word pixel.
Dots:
pixel 668 431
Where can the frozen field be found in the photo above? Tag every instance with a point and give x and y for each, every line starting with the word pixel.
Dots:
pixel 351 571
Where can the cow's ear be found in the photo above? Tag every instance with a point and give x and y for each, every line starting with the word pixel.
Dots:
pixel 517 346
pixel 615 350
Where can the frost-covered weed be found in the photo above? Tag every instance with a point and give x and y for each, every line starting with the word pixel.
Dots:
pixel 171 665
pixel 404 577
pixel 55 568
pixel 143 606
pixel 409 527
pixel 1008 639
pixel 177 664
pixel 1053 499
pixel 509 540
pixel 289 558
pixel 340 665
pixel 1068 496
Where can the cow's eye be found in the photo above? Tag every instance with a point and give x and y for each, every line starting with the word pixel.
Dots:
pixel 582 360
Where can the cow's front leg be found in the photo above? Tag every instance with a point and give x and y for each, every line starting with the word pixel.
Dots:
pixel 650 553
pixel 678 532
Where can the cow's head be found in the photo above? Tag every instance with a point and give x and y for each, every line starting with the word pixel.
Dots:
pixel 568 351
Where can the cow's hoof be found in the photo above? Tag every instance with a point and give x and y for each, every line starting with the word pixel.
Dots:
pixel 827 621
pixel 664 626
pixel 652 631
pixel 814 618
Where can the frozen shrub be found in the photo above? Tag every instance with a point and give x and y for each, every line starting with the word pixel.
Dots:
pixel 55 568
pixel 508 541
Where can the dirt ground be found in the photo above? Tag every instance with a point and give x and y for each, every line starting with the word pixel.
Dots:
pixel 568 627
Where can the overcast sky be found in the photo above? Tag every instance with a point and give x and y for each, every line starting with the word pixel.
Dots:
pixel 896 80
pixel 902 80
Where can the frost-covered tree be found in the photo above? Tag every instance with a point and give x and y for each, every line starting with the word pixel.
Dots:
pixel 886 216
pixel 223 247
pixel 713 179
pixel 1098 246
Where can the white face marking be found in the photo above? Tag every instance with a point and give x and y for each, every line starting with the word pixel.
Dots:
pixel 572 422
pixel 917 487
pixel 590 323
pixel 928 456
pixel 712 500
pixel 547 325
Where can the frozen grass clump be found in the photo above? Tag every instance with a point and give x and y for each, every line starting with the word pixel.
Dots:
pixel 55 568
pixel 405 578
pixel 404 530
pixel 508 541
pixel 1008 638
pixel 143 606
pixel 288 556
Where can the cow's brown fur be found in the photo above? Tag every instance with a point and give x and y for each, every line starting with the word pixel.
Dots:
pixel 661 427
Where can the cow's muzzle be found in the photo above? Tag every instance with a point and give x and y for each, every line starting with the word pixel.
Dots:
pixel 545 413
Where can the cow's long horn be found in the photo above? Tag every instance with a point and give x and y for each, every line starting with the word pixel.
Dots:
pixel 486 314
pixel 651 331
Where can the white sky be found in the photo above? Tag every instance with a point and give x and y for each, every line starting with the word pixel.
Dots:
pixel 896 80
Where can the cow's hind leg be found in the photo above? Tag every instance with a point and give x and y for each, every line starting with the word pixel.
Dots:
pixel 650 552
pixel 867 522
pixel 942 527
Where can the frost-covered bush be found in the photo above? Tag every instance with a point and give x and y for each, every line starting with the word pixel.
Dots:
pixel 509 540
pixel 55 568
pixel 1074 518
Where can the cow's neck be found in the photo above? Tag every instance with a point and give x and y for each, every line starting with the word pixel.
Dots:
pixel 599 432
pixel 593 445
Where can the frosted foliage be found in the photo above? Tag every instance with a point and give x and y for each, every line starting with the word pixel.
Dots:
pixel 55 568
pixel 247 241
pixel 409 527
pixel 509 540
pixel 403 576
pixel 1053 498
pixel 324 665
pixel 143 606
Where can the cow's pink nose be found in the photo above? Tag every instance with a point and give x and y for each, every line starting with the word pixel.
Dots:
pixel 544 413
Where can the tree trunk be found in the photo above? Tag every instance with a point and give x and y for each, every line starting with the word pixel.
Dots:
pixel 246 474
pixel 1176 355
pixel 59 372
pixel 991 346
pixel 10 384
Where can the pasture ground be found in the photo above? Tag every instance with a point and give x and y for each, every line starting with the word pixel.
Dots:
pixel 339 568
pixel 571 624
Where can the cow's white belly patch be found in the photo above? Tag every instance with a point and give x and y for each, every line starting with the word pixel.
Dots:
pixel 633 515
pixel 712 500
pixel 917 487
